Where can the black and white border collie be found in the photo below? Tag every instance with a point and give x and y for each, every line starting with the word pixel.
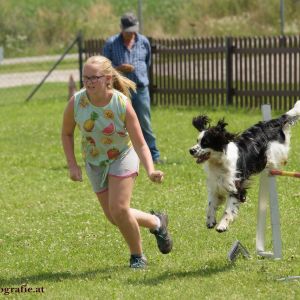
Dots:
pixel 230 159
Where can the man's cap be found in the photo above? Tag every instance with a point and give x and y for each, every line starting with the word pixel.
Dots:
pixel 129 23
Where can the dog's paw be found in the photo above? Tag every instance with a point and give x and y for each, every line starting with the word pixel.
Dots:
pixel 211 225
pixel 222 227
pixel 210 222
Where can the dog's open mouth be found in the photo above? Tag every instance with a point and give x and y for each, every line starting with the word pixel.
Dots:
pixel 202 158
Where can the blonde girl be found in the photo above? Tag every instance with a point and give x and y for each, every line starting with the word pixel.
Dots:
pixel 112 146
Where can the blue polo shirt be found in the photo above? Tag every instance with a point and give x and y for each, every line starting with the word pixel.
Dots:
pixel 139 56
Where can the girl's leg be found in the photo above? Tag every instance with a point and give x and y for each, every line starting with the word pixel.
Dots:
pixel 119 196
pixel 144 219
pixel 116 207
pixel 103 200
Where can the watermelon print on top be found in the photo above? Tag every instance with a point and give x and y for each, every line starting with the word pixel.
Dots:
pixel 104 135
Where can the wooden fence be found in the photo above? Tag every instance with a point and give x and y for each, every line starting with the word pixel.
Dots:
pixel 244 72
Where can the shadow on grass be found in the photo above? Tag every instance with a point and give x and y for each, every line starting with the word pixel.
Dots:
pixel 61 276
pixel 58 168
pixel 208 270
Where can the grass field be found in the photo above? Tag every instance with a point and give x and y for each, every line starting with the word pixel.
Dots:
pixel 54 236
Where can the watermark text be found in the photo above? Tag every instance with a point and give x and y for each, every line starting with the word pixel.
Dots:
pixel 23 288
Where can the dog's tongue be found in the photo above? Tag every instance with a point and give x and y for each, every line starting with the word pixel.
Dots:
pixel 200 160
pixel 203 158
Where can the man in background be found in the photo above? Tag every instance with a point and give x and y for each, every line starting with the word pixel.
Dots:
pixel 130 53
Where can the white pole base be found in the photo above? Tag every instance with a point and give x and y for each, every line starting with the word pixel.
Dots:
pixel 268 191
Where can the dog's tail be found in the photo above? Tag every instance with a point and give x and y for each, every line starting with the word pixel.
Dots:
pixel 295 111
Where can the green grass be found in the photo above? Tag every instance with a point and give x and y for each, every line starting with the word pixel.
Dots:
pixel 54 235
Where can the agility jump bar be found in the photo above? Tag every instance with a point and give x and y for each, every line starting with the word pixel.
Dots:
pixel 284 173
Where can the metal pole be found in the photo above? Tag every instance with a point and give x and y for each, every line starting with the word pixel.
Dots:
pixel 284 173
pixel 282 17
pixel 1 54
pixel 267 189
pixel 80 57
pixel 55 65
pixel 140 17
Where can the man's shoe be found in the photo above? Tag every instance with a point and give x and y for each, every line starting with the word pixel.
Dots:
pixel 159 161
pixel 138 262
pixel 164 241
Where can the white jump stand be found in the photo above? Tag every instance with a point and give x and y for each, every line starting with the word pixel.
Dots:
pixel 267 190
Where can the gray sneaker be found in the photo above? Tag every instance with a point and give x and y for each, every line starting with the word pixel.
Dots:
pixel 164 240
pixel 138 262
pixel 159 161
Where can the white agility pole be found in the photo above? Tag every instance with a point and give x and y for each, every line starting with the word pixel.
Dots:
pixel 268 191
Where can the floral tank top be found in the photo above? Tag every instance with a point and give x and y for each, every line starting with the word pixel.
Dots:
pixel 103 131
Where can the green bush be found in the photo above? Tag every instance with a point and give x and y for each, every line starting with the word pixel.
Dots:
pixel 43 27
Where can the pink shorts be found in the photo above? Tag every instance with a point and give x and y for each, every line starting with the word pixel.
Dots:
pixel 125 166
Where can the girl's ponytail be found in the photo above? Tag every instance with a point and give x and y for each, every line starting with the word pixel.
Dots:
pixel 122 84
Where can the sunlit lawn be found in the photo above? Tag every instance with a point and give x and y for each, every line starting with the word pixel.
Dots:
pixel 54 236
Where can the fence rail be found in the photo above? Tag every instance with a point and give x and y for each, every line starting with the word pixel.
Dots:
pixel 244 72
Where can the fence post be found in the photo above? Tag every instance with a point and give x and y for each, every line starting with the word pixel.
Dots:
pixel 71 87
pixel 282 41
pixel 229 88
pixel 80 58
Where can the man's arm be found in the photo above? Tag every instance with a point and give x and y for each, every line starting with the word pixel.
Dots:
pixel 108 52
pixel 125 68
pixel 107 49
pixel 148 57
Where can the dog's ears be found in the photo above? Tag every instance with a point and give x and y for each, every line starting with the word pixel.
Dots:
pixel 221 128
pixel 221 124
pixel 201 122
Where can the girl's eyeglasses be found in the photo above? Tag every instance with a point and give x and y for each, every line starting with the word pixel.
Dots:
pixel 92 79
